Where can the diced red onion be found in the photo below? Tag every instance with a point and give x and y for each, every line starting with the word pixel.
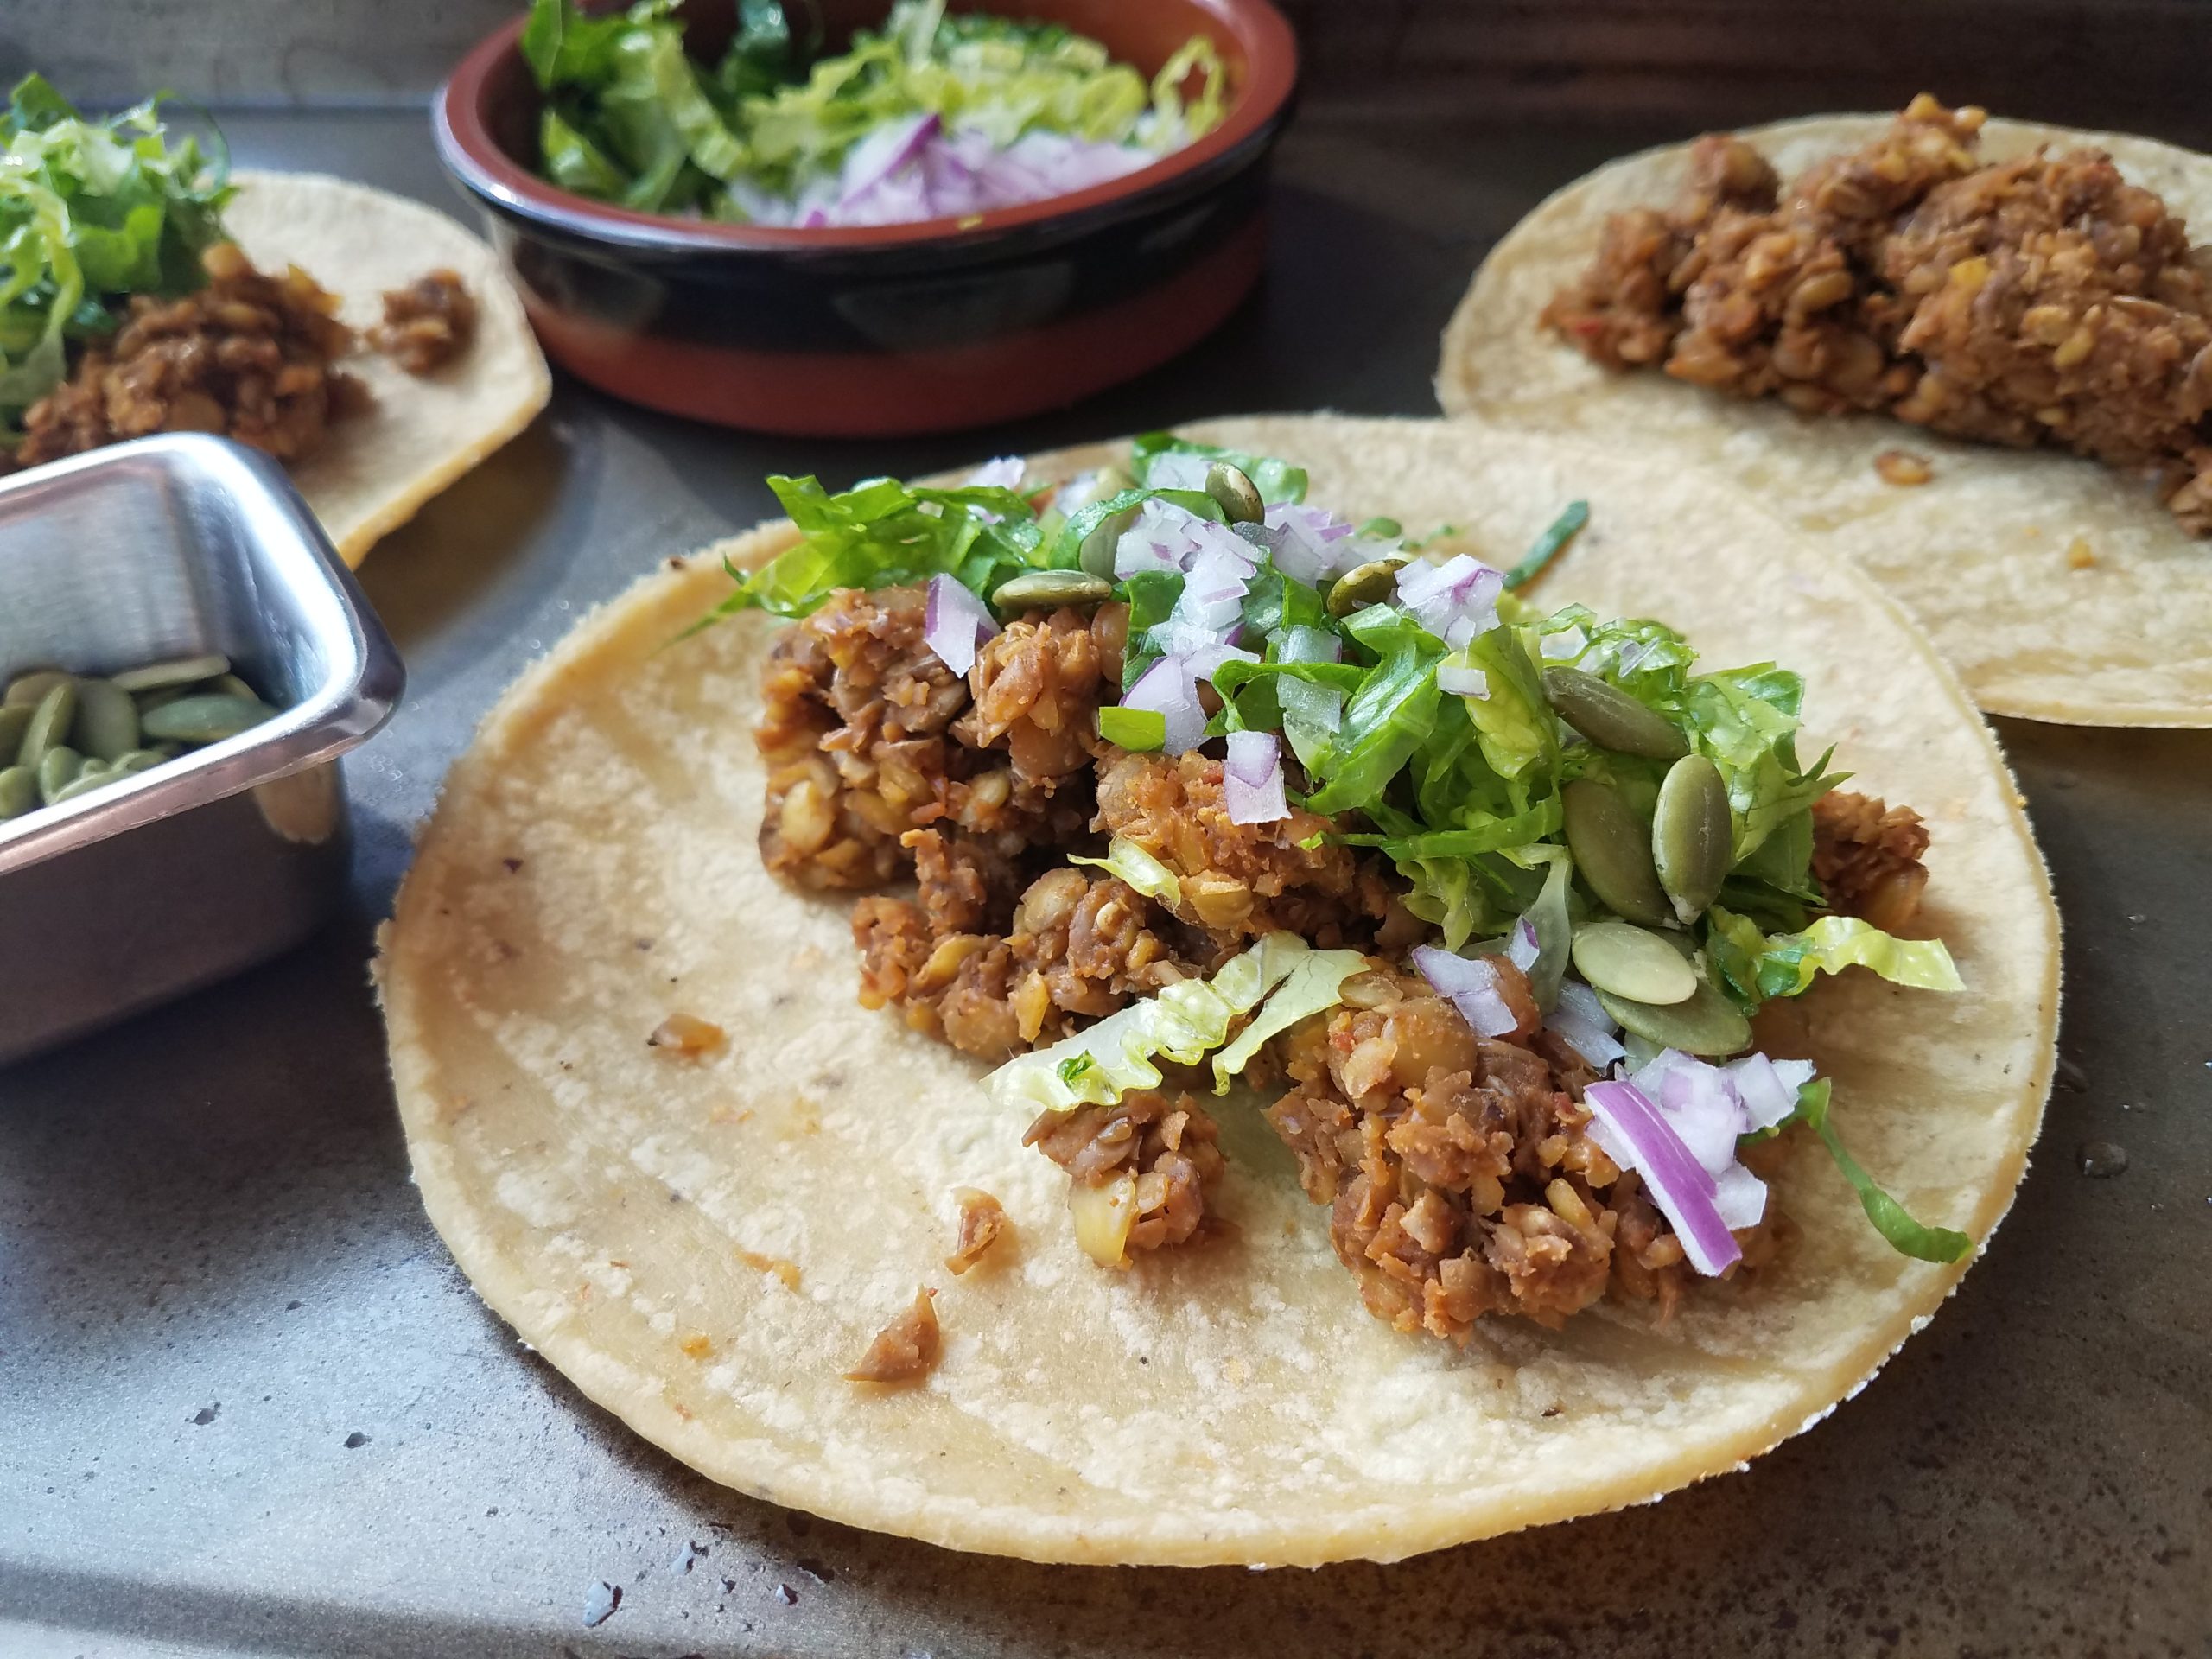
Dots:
pixel 1522 948
pixel 1178 469
pixel 1580 1018
pixel 872 160
pixel 1310 544
pixel 1454 601
pixel 1470 983
pixel 1003 473
pixel 1740 1196
pixel 914 169
pixel 1767 1088
pixel 1701 1104
pixel 1166 538
pixel 1251 779
pixel 953 622
pixel 1168 688
pixel 1635 1134
pixel 1463 680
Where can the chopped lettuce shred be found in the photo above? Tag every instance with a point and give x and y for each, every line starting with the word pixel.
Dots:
pixel 91 213
pixel 1315 986
pixel 1181 1024
pixel 1755 966
pixel 1890 1218
pixel 766 131
pixel 1139 868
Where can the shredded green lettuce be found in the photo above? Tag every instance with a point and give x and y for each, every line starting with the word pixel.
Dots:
pixel 1180 1023
pixel 1136 867
pixel 1315 986
pixel 1890 1218
pixel 91 213
pixel 1755 966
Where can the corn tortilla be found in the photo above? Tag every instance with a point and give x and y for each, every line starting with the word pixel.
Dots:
pixel 591 868
pixel 377 467
pixel 1989 555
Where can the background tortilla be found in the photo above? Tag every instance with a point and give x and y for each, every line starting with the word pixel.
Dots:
pixel 1979 555
pixel 423 431
pixel 592 868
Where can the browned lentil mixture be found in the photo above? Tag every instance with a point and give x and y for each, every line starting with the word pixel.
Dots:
pixel 249 356
pixel 427 323
pixel 1459 1175
pixel 2042 300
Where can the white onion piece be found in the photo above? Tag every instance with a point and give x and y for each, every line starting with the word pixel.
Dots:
pixel 1470 983
pixel 1768 1088
pixel 1462 679
pixel 1178 469
pixel 1168 688
pixel 953 622
pixel 1251 779
pixel 1740 1196
pixel 1635 1134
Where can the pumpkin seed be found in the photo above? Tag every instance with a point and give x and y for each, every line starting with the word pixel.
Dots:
pixel 1706 1023
pixel 1050 590
pixel 1235 494
pixel 30 689
pixel 1096 554
pixel 15 720
pixel 138 760
pixel 1692 838
pixel 1612 851
pixel 18 792
pixel 93 777
pixel 1632 962
pixel 184 670
pixel 107 721
pixel 57 768
pixel 1380 529
pixel 50 724
pixel 1364 584
pixel 205 717
pixel 230 684
pixel 1611 718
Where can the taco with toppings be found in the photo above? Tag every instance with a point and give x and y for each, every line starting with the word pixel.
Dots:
pixel 1973 354
pixel 147 289
pixel 1158 1004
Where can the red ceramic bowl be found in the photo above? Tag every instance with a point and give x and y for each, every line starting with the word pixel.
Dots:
pixel 884 330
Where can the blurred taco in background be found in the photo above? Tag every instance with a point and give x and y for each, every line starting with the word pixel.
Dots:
pixel 1974 354
pixel 1152 1004
pixel 148 289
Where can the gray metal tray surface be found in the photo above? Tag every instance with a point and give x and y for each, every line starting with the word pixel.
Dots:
pixel 248 1404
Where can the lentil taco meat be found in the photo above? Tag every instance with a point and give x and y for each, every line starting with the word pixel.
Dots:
pixel 1555 1336
pixel 1782 304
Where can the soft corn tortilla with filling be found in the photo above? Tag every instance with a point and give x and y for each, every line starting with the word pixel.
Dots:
pixel 705 1245
pixel 377 466
pixel 2060 589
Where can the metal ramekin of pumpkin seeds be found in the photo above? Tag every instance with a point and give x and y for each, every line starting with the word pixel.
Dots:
pixel 64 735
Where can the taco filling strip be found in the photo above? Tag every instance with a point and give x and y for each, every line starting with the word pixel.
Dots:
pixel 1198 783
pixel 2042 300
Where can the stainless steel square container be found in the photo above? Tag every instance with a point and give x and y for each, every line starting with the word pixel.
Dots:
pixel 167 548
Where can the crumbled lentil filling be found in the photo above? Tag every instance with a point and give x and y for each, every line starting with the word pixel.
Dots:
pixel 2040 300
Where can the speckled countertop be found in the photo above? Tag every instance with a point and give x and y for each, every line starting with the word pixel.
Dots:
pixel 248 1405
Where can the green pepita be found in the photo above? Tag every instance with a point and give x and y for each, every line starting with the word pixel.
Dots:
pixel 1096 554
pixel 139 760
pixel 231 685
pixel 205 717
pixel 57 769
pixel 184 670
pixel 1707 1023
pixel 1632 962
pixel 15 720
pixel 107 721
pixel 50 723
pixel 1613 851
pixel 1611 718
pixel 1050 590
pixel 1366 584
pixel 18 792
pixel 30 689
pixel 1692 838
pixel 1235 494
